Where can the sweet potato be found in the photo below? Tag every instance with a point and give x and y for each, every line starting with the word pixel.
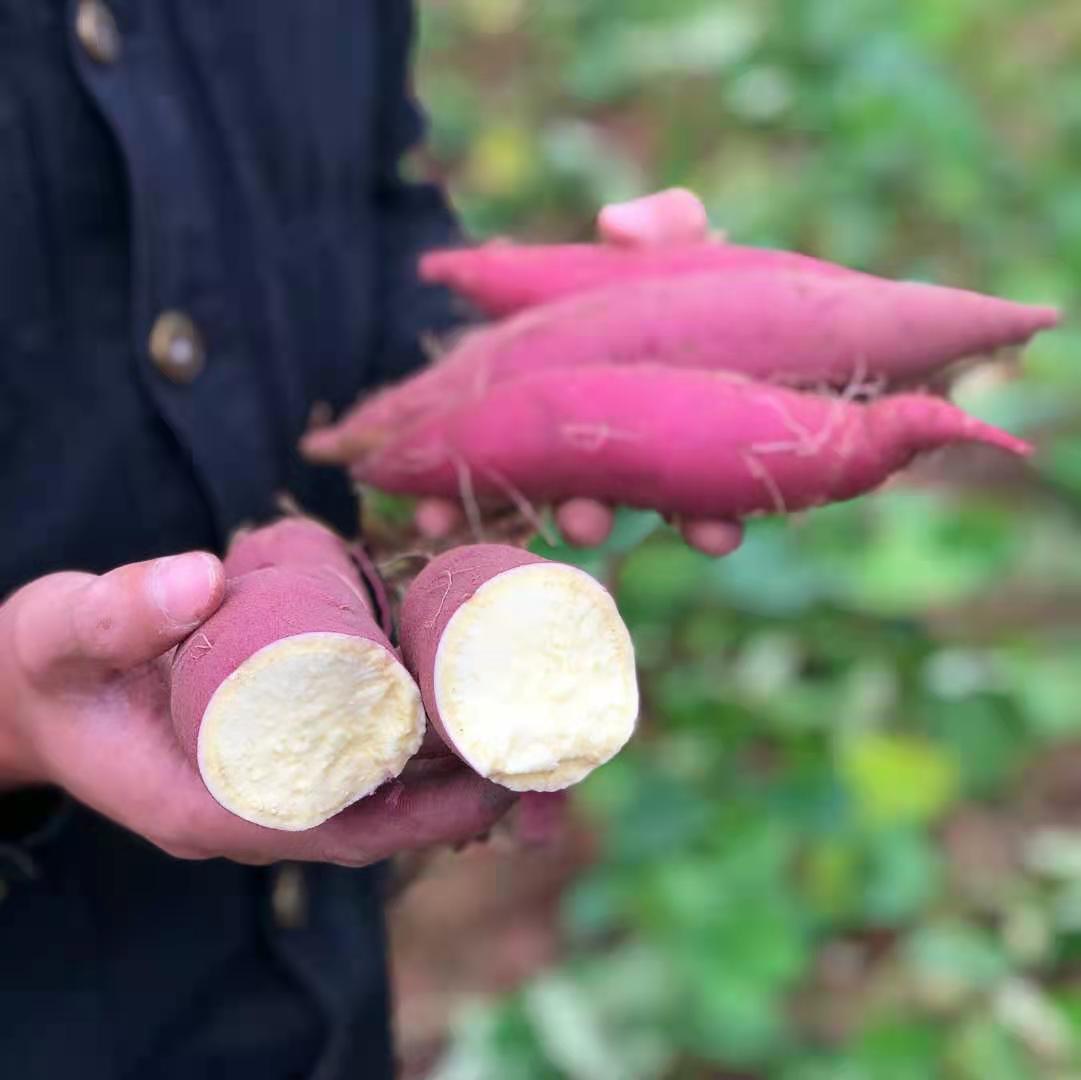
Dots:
pixel 786 327
pixel 502 279
pixel 687 443
pixel 292 541
pixel 525 666
pixel 290 699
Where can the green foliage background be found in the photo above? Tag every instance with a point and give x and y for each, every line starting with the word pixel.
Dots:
pixel 848 844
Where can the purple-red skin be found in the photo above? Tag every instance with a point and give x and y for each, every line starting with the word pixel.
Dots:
pixel 790 327
pixel 290 541
pixel 542 816
pixel 501 279
pixel 433 598
pixel 304 542
pixel 377 588
pixel 294 577
pixel 681 442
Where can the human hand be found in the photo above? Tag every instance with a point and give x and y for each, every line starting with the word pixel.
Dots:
pixel 84 705
pixel 674 216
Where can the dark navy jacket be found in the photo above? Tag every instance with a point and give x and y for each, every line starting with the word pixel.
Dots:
pixel 235 163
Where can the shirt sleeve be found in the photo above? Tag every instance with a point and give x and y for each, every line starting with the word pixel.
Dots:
pixel 413 216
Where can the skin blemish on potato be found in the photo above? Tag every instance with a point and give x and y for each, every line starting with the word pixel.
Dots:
pixel 593 438
pixel 201 643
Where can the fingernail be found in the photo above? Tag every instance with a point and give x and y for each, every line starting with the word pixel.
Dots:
pixel 182 586
pixel 624 221
pixel 317 442
pixel 319 436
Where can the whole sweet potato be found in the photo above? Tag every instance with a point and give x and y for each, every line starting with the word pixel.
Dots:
pixel 502 279
pixel 786 327
pixel 687 443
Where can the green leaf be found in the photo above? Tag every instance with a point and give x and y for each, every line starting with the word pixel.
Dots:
pixel 493 1042
pixel 832 877
pixel 1046 684
pixel 1061 461
pixel 898 1049
pixel 928 552
pixel 981 1049
pixel 897 778
pixel 903 876
pixel 594 904
pixel 773 573
pixel 663 815
pixel 660 580
pixel 735 1024
pixel 953 958
pixel 981 733
pixel 572 1034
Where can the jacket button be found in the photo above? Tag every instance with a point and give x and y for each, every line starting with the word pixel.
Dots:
pixel 97 31
pixel 176 347
pixel 289 897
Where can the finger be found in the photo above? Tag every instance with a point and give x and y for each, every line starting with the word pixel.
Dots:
pixel 324 446
pixel 674 216
pixel 542 817
pixel 453 806
pixel 435 802
pixel 436 519
pixel 118 621
pixel 584 522
pixel 338 444
pixel 716 538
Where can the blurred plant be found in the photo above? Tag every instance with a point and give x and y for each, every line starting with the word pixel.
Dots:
pixel 838 851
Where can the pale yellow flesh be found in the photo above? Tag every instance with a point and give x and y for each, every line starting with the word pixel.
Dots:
pixel 306 726
pixel 535 680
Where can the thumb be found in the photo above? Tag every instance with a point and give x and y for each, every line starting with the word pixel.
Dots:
pixel 120 620
pixel 340 443
pixel 673 216
pixel 325 445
